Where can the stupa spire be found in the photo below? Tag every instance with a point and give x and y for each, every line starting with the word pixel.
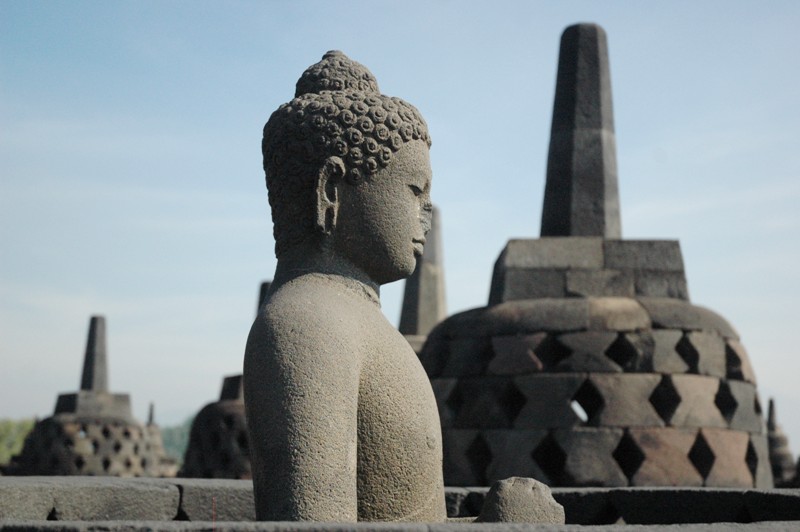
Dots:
pixel 95 366
pixel 581 195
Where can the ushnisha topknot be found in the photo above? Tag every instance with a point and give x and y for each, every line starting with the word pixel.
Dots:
pixel 338 111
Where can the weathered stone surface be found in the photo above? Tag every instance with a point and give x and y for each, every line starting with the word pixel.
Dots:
pixel 667 313
pixel 616 314
pixel 489 402
pixel 661 284
pixel 654 255
pixel 342 418
pixel 758 453
pixel 216 500
pixel 686 505
pixel 625 400
pixel 599 283
pixel 581 196
pixel 697 407
pixel 465 457
pixel 85 498
pixel 665 357
pixel 467 356
pixel 515 355
pixel 521 500
pixel 738 362
pixel 588 352
pixel 666 457
pixel 556 253
pixel 511 452
pixel 548 398
pixel 529 284
pixel 745 416
pixel 95 363
pixel 774 505
pixel 589 457
pixel 730 450
pixel 711 350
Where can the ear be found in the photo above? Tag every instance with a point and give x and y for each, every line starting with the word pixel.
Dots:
pixel 328 180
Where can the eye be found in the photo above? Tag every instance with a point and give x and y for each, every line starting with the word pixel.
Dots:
pixel 415 189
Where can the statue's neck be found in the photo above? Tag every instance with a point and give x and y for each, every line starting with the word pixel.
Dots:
pixel 311 260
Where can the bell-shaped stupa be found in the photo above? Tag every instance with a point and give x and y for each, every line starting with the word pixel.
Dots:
pixel 93 431
pixel 589 366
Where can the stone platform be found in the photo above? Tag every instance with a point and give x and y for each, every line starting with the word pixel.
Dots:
pixel 88 503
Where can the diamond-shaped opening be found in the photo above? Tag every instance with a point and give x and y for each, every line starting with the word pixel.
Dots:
pixel 623 352
pixel 629 456
pixel 701 456
pixel 688 353
pixel 79 462
pixel 757 406
pixel 479 456
pixel 725 401
pixel 550 458
pixel 550 351
pixel 751 459
pixel 733 364
pixel 589 399
pixel 665 398
pixel 512 401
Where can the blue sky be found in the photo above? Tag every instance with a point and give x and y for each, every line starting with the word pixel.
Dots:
pixel 131 181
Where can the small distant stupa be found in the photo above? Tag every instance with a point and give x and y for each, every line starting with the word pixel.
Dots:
pixel 589 366
pixel 424 295
pixel 780 455
pixel 93 431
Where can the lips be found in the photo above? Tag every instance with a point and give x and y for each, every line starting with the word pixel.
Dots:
pixel 419 246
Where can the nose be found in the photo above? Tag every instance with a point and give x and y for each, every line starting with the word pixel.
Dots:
pixel 426 215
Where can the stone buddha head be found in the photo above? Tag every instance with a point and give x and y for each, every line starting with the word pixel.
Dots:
pixel 347 171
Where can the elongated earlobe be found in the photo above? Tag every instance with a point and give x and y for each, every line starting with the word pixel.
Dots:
pixel 328 179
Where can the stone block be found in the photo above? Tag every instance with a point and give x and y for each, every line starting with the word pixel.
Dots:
pixel 729 448
pixel 697 406
pixel 587 506
pixel 465 458
pixel 27 497
pixel 738 362
pixel 88 499
pixel 666 457
pixel 514 355
pixel 589 456
pixel 528 283
pixel 553 252
pixel 616 314
pixel 745 416
pixel 775 505
pixel 625 399
pixel 442 389
pixel 547 400
pixel 487 402
pixel 511 452
pixel 758 453
pixel 588 352
pixel 519 317
pixel 658 255
pixel 656 506
pixel 216 500
pixel 599 283
pixel 466 356
pixel 667 313
pixel 710 348
pixel 661 284
pixel 665 357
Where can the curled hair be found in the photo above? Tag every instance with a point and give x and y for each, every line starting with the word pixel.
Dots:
pixel 337 110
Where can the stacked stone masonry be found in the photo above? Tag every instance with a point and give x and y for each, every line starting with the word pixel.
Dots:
pixel 597 392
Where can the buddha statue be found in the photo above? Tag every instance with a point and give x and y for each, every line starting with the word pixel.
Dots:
pixel 342 419
pixel 343 423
